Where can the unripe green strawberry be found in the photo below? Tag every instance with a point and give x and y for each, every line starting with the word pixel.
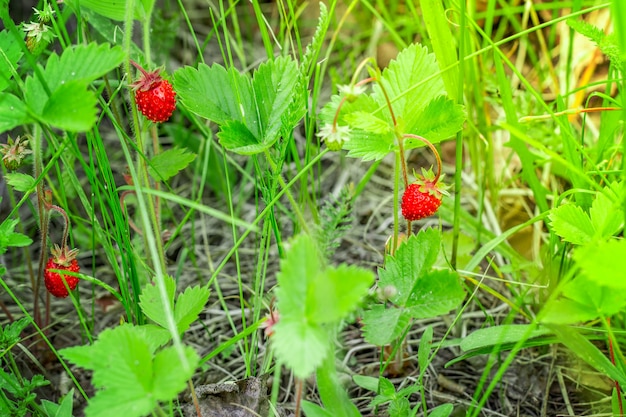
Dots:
pixel 155 96
pixel 63 259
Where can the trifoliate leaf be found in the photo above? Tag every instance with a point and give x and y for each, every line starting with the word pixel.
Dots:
pixel 434 294
pixel 21 182
pixel 189 304
pixel 412 261
pixel 382 325
pixel 13 112
pixel 572 224
pixel 604 263
pixel 168 163
pixel 11 54
pixel 71 107
pixel 152 304
pixel 411 81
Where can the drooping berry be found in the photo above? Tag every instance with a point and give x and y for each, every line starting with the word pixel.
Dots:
pixel 422 198
pixel 155 97
pixel 62 259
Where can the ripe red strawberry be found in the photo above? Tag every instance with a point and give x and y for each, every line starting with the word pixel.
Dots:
pixel 63 259
pixel 154 96
pixel 422 198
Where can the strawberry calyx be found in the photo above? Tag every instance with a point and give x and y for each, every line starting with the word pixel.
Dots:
pixel 148 79
pixel 63 256
pixel 430 183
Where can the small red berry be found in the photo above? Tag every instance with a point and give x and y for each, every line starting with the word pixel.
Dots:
pixel 154 96
pixel 421 199
pixel 63 259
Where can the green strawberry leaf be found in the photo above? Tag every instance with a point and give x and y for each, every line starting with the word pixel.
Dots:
pixel 152 304
pixel 251 113
pixel 11 54
pixel 308 297
pixel 336 292
pixel 572 224
pixel 383 325
pixel 13 112
pixel 214 92
pixel 168 163
pixel 71 107
pixel 434 294
pixel 169 378
pixel 301 345
pixel 604 263
pixel 10 335
pixel 412 261
pixel 411 81
pixel 21 182
pixel 440 120
pixel 274 84
pixel 8 236
pixel 69 104
pixel 189 304
pixel 236 137
pixel 606 214
pixel 368 122
pixel 399 407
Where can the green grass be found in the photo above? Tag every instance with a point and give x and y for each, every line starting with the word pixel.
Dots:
pixel 230 218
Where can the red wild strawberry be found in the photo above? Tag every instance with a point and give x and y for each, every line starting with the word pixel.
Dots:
pixel 154 96
pixel 422 198
pixel 63 259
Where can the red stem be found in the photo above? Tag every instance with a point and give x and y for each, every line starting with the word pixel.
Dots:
pixel 66 228
pixel 433 149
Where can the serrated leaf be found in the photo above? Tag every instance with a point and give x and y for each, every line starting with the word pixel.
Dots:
pixel 77 66
pixel 336 292
pixel 9 56
pixel 214 93
pixel 383 325
pixel 152 304
pixel 435 294
pixel 411 262
pixel 302 346
pixel 606 215
pixel 71 107
pixel 168 163
pixel 604 263
pixel 13 112
pixel 607 43
pixel 441 119
pixel 10 335
pixel 21 182
pixel 189 304
pixel 274 83
pixel 399 407
pixel 169 378
pixel 386 387
pixel 411 81
pixel 236 137
pixel 572 224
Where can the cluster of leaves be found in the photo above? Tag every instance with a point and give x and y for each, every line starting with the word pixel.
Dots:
pixel 414 87
pixel 131 370
pixel 599 287
pixel 415 289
